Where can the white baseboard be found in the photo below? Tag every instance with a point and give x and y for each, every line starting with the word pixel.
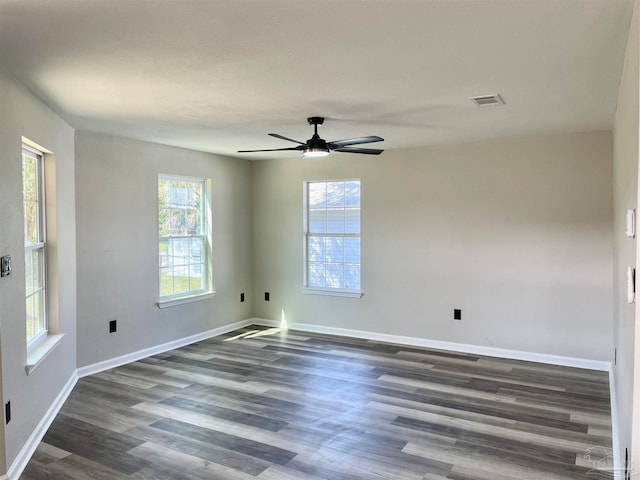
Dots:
pixel 19 464
pixel 618 462
pixel 442 345
pixel 165 347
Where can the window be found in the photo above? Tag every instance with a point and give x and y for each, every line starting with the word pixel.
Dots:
pixel 183 239
pixel 332 236
pixel 34 244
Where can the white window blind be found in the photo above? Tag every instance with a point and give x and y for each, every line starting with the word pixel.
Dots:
pixel 332 235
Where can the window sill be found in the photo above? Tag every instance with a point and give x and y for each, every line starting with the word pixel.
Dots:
pixel 38 354
pixel 333 293
pixel 183 300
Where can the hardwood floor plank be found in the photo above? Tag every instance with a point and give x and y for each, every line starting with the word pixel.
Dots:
pixel 48 453
pixel 232 415
pixel 270 404
pixel 195 448
pixel 94 443
pixel 234 443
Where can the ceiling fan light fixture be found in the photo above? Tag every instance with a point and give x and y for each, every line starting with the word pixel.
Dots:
pixel 313 152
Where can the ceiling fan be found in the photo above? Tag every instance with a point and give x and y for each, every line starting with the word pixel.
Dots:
pixel 317 147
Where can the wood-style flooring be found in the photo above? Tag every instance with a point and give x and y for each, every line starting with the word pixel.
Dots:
pixel 265 404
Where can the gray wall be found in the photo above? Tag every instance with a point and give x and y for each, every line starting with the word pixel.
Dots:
pixel 516 233
pixel 625 182
pixel 117 232
pixel 21 114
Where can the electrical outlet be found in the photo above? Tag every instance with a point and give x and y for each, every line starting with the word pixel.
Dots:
pixel 5 266
pixel 266 296
pixel 7 412
pixel 113 327
pixel 242 297
pixel 457 314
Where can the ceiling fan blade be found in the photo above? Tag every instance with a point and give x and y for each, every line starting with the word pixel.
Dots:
pixel 285 138
pixel 354 141
pixel 367 151
pixel 270 150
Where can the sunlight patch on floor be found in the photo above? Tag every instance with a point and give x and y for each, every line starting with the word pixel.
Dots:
pixel 241 335
pixel 256 333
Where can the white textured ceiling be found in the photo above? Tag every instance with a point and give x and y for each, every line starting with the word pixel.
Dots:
pixel 218 75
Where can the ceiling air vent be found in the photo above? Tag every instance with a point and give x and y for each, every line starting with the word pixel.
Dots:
pixel 487 100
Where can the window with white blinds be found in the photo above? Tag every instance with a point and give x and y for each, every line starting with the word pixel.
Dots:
pixel 332 235
pixel 34 244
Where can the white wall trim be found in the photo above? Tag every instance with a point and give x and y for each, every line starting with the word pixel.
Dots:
pixel 442 345
pixel 27 450
pixel 164 347
pixel 618 461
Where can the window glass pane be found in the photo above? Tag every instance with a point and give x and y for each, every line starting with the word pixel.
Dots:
pixel 352 220
pixel 195 277
pixel 352 276
pixel 318 221
pixel 181 282
pixel 31 331
pixel 335 194
pixel 163 221
pixel 316 249
pixel 28 272
pixel 38 311
pixel 197 247
pixel 31 222
pixel 192 222
pixel 352 250
pixel 195 194
pixel 334 249
pixel 179 251
pixel 38 268
pixel 335 220
pixel 30 177
pixel 316 275
pixel 166 281
pixel 178 222
pixel 163 247
pixel 317 194
pixel 334 275
pixel 352 193
pixel 197 269
pixel 177 193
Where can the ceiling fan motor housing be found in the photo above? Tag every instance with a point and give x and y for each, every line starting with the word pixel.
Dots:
pixel 315 142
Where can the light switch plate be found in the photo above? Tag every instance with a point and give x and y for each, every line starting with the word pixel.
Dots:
pixel 631 223
pixel 5 266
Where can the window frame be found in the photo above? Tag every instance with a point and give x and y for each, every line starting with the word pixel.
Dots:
pixel 206 290
pixel 40 336
pixel 307 235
